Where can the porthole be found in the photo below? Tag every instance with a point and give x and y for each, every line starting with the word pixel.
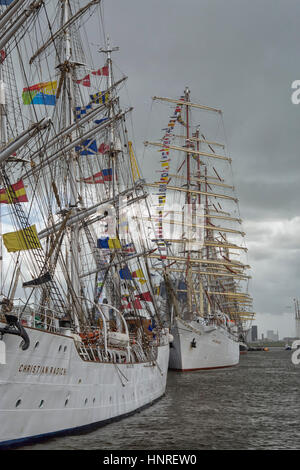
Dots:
pixel 36 345
pixel 18 402
pixel 59 349
pixel 79 381
pixel 41 405
pixel 65 348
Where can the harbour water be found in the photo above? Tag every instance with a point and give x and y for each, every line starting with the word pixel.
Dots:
pixel 254 405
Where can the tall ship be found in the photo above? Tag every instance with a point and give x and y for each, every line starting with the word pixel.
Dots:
pixel 201 250
pixel 82 338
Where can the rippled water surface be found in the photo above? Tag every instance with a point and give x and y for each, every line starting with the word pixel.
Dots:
pixel 252 406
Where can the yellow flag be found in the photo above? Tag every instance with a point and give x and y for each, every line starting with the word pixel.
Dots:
pixel 22 240
pixel 114 243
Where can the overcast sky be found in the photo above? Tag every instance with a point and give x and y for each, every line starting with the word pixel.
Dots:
pixel 241 56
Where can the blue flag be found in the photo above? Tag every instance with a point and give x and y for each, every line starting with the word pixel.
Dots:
pixel 81 110
pixel 5 2
pixel 125 274
pixel 87 147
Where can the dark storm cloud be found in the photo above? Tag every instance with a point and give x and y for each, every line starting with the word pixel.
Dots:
pixel 241 56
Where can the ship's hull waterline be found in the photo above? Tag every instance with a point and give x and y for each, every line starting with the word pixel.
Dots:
pixel 195 347
pixel 49 389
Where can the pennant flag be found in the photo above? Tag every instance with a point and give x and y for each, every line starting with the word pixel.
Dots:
pixel 125 274
pixel 81 110
pixel 100 97
pixel 99 121
pixel 102 71
pixel 103 148
pixel 100 177
pixel 146 296
pixel 85 81
pixel 41 93
pixel 22 240
pixel 108 243
pixel 15 193
pixel 39 281
pixel 87 147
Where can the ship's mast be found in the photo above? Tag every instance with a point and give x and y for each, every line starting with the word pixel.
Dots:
pixel 188 177
pixel 67 108
pixel 2 144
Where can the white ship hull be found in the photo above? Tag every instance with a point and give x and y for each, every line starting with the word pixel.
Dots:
pixel 49 389
pixel 215 347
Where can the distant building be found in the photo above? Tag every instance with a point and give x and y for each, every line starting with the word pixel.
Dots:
pixel 254 334
pixel 271 336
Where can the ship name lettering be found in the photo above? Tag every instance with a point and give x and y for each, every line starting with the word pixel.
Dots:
pixel 37 369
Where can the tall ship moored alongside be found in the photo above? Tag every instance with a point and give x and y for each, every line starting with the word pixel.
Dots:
pixel 81 337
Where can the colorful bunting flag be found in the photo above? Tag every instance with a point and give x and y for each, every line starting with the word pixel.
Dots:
pixel 100 177
pixel 136 304
pixel 99 121
pixel 102 71
pixel 100 97
pixel 22 240
pixel 41 93
pixel 125 274
pixel 15 193
pixel 108 243
pixel 140 275
pixel 85 81
pixel 129 248
pixel 87 147
pixel 103 148
pixel 82 110
pixel 146 296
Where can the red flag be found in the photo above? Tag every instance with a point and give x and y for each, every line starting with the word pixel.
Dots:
pixel 136 303
pixel 100 177
pixel 2 56
pixel 102 71
pixel 15 193
pixel 145 296
pixel 85 81
pixel 103 148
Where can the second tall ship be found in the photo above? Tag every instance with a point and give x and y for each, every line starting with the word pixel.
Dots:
pixel 199 242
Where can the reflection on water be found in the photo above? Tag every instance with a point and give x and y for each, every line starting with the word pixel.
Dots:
pixel 254 405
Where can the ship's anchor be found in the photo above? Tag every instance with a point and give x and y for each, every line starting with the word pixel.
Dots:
pixel 14 327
